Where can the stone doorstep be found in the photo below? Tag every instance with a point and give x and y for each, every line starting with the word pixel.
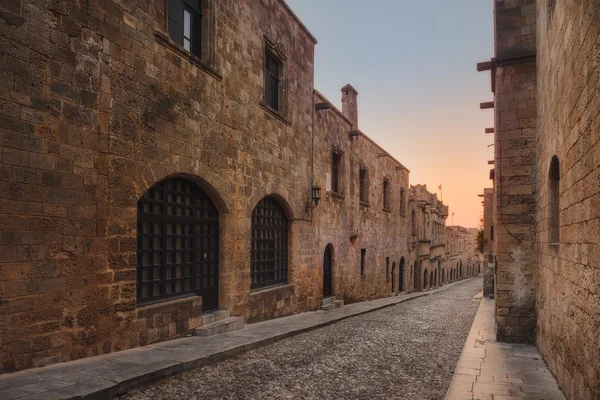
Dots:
pixel 332 305
pixel 111 375
pixel 230 324
pixel 214 316
pixel 327 300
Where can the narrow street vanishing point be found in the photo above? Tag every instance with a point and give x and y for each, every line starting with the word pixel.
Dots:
pixel 407 351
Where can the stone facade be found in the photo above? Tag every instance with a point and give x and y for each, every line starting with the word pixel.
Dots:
pixel 104 119
pixel 546 75
pixel 349 223
pixel 462 260
pixel 428 219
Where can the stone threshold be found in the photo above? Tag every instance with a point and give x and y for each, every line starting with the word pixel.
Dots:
pixel 489 370
pixel 111 375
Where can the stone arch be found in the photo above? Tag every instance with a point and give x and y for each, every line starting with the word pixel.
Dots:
pixel 174 166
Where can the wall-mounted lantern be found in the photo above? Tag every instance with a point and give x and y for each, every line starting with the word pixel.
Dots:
pixel 316 195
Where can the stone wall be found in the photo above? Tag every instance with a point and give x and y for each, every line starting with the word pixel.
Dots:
pixel 489 269
pixel 568 294
pixel 515 112
pixel 96 106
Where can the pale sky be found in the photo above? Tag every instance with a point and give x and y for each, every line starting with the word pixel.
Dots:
pixel 413 64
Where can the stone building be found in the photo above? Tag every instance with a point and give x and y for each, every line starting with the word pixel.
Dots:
pixel 162 160
pixel 461 258
pixel 428 225
pixel 365 194
pixel 546 80
pixel 488 242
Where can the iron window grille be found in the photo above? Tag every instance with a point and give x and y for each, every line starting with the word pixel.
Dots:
pixel 184 24
pixel 177 242
pixel 272 76
pixel 269 247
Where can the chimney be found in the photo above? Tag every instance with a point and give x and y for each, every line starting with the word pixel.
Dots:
pixel 350 105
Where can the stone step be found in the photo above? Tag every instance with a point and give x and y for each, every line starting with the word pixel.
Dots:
pixel 214 316
pixel 333 305
pixel 327 300
pixel 226 325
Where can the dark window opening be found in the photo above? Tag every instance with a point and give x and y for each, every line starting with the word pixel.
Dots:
pixel 272 76
pixel 492 233
pixel 402 202
pixel 184 24
pixel 554 201
pixel 386 194
pixel 363 188
pixel 387 268
pixel 269 244
pixel 336 161
pixel 363 255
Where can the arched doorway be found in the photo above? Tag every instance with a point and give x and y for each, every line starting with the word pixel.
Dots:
pixel 401 276
pixel 461 270
pixel 425 280
pixel 431 279
pixel 178 243
pixel 416 276
pixel 394 277
pixel 269 244
pixel 328 271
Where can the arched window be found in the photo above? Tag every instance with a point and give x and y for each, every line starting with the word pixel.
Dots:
pixel 554 201
pixel 269 251
pixel 178 243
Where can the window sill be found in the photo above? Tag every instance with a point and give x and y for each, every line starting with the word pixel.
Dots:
pixel 337 196
pixel 274 113
pixel 166 302
pixel 363 204
pixel 387 210
pixel 274 288
pixel 176 48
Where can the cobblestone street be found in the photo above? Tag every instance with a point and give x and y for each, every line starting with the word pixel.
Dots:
pixel 407 351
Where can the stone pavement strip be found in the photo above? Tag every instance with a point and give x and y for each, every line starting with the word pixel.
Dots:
pixel 113 374
pixel 488 370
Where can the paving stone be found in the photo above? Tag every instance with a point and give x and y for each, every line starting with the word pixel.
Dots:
pixel 407 351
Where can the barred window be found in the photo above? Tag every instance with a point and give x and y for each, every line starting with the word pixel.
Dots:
pixel 269 252
pixel 178 243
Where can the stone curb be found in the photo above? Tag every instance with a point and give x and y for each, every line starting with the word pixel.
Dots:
pixel 90 385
